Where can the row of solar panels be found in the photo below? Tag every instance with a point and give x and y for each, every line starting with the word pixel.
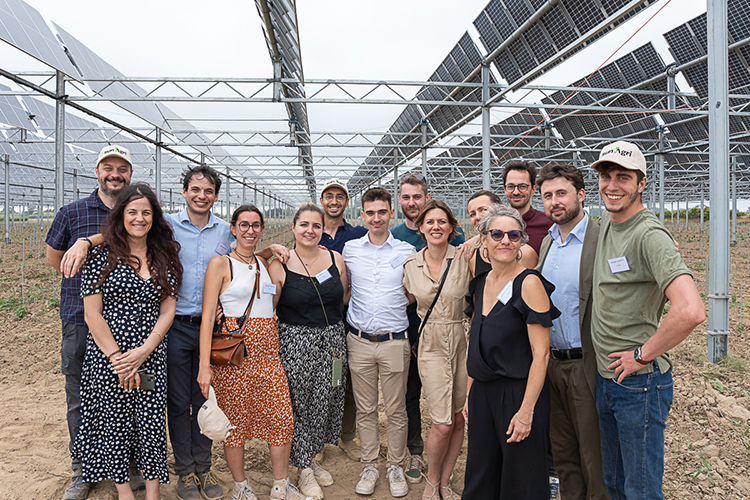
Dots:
pixel 563 29
pixel 687 42
pixel 23 27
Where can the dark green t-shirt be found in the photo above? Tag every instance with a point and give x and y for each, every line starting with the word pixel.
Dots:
pixel 635 262
pixel 411 236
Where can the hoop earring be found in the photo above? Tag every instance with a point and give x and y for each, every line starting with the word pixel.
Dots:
pixel 519 255
pixel 485 254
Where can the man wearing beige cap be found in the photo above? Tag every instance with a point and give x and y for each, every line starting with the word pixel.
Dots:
pixel 636 270
pixel 72 227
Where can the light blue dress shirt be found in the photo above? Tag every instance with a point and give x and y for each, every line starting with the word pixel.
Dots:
pixel 562 267
pixel 197 247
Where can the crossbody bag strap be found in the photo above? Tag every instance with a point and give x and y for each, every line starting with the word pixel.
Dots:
pixel 325 315
pixel 437 296
pixel 252 297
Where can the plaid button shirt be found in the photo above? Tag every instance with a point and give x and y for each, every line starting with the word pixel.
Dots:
pixel 79 219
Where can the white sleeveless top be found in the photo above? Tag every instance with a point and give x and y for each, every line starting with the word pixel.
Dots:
pixel 235 298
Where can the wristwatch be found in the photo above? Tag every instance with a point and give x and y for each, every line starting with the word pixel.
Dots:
pixel 638 358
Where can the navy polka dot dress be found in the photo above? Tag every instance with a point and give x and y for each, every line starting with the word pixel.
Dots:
pixel 115 423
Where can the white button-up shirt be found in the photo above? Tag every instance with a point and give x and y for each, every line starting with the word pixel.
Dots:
pixel 376 275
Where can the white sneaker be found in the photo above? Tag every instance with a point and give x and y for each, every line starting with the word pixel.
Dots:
pixel 369 478
pixel 243 491
pixel 308 485
pixel 323 477
pixel 397 482
pixel 284 490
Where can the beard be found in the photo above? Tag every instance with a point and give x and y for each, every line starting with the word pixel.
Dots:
pixel 567 215
pixel 109 191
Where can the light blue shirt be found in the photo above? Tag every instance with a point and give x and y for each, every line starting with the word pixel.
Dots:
pixel 376 275
pixel 562 267
pixel 197 247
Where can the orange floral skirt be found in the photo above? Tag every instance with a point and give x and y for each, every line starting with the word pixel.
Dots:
pixel 255 396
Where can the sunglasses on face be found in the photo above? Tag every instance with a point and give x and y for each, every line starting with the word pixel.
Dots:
pixel 498 234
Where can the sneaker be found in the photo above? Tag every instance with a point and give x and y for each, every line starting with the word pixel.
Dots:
pixel 369 478
pixel 323 477
pixel 351 449
pixel 187 487
pixel 209 486
pixel 243 491
pixel 414 468
pixel 397 482
pixel 76 489
pixel 136 479
pixel 284 490
pixel 308 485
pixel 554 488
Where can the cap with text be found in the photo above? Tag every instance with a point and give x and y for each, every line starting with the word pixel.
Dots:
pixel 118 151
pixel 625 154
pixel 335 183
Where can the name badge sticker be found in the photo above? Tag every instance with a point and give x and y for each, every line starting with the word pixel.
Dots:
pixel 618 264
pixel 222 249
pixel 269 288
pixel 397 261
pixel 323 276
pixel 506 294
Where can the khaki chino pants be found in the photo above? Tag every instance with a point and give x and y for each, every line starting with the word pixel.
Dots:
pixel 390 361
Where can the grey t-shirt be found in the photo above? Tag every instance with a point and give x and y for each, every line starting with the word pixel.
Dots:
pixel 635 262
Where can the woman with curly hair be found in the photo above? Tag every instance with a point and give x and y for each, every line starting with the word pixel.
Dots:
pixel 129 287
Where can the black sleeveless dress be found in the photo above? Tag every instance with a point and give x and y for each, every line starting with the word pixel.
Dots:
pixel 308 346
pixel 498 360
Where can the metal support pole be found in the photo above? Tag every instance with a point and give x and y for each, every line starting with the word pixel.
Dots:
pixel 277 90
pixel 661 174
pixel 671 88
pixel 229 206
pixel 547 137
pixel 734 200
pixel 486 160
pixel 424 149
pixel 687 217
pixel 293 132
pixel 244 190
pixel 171 203
pixel 7 199
pixel 75 183
pixel 718 145
pixel 395 183
pixel 59 141
pixel 157 167
pixel 255 195
pixel 703 195
pixel 41 203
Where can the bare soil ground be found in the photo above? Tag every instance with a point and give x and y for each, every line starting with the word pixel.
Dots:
pixel 707 439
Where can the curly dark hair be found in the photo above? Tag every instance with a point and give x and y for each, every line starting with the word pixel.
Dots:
pixel 163 250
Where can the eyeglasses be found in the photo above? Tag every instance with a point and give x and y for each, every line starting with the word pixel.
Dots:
pixel 509 188
pixel 244 226
pixel 337 197
pixel 498 234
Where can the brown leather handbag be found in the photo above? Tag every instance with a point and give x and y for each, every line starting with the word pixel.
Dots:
pixel 228 342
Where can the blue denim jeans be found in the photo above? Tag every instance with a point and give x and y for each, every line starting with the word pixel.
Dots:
pixel 632 419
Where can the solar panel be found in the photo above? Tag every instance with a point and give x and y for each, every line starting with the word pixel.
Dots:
pixel 689 41
pixel 626 72
pixel 93 66
pixel 12 113
pixel 23 27
pixel 566 22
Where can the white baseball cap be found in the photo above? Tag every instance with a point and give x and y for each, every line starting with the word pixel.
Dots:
pixel 212 421
pixel 117 151
pixel 625 154
pixel 335 183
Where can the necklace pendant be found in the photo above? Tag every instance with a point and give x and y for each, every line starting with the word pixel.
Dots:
pixel 251 266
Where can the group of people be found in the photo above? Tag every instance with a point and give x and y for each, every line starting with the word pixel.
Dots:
pixel 543 334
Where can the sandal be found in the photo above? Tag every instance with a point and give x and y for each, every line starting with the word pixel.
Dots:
pixel 435 490
pixel 446 493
